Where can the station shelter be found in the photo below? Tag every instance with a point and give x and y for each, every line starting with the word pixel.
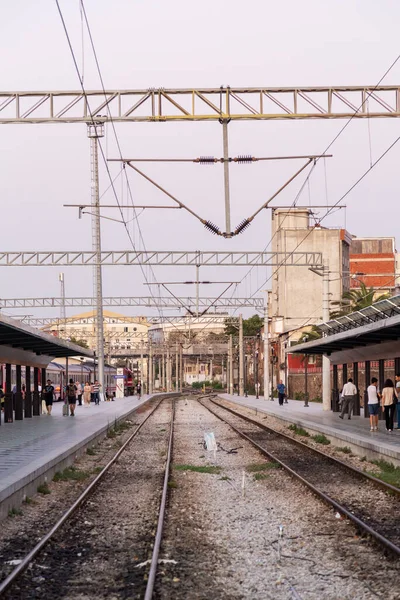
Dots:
pixel 25 353
pixel 362 344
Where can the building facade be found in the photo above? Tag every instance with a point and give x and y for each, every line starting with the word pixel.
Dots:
pixel 297 291
pixel 373 261
pixel 120 332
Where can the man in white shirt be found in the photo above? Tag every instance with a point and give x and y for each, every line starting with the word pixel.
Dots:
pixel 349 392
pixel 373 404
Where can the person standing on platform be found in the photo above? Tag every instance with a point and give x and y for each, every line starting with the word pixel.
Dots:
pixel 49 396
pixel 87 393
pixel 96 392
pixel 373 404
pixel 79 392
pixel 281 392
pixel 389 401
pixel 71 396
pixel 349 392
pixel 397 406
pixel 139 390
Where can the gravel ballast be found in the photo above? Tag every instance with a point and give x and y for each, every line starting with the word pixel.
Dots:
pixel 97 553
pixel 226 545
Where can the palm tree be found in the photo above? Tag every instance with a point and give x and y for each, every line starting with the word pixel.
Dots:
pixel 356 300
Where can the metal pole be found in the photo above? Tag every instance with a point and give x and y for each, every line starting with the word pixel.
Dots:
pixel 141 365
pixel 176 370
pixel 266 350
pixel 168 370
pixel 95 131
pixel 256 366
pixel 241 365
pixel 226 176
pixel 150 367
pixel 326 364
pixel 63 309
pixel 230 361
pixel 197 289
pixel 180 369
pixel 306 381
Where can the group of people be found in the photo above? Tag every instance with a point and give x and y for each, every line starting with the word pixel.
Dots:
pixel 386 400
pixel 74 392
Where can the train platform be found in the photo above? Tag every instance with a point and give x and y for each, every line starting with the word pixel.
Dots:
pixel 32 450
pixel 354 433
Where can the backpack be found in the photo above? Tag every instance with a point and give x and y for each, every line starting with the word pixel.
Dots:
pixel 71 390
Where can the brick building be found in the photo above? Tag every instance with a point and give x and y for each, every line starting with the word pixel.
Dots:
pixel 373 261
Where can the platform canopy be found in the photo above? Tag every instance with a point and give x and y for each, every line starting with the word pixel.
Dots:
pixel 369 334
pixel 19 343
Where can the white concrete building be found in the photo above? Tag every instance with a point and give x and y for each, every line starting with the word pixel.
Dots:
pixel 120 332
pixel 297 291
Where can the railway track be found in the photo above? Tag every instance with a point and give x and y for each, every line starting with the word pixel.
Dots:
pixel 175 533
pixel 61 534
pixel 371 504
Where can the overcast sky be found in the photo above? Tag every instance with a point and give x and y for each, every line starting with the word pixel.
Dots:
pixel 176 43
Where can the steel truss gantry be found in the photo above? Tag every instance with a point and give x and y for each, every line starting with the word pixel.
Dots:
pixel 200 104
pixel 160 258
pixel 120 320
pixel 146 301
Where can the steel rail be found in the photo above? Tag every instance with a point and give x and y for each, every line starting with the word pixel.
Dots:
pixel 157 542
pixel 387 487
pixel 361 525
pixel 17 572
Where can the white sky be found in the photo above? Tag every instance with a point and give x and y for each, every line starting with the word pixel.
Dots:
pixel 178 43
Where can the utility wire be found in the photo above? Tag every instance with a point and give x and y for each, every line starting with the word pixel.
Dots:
pixel 93 122
pixel 317 223
pixel 159 307
pixel 328 212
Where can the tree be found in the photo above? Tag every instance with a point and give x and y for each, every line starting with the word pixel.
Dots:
pixel 311 334
pixel 356 299
pixel 251 326
pixel 82 343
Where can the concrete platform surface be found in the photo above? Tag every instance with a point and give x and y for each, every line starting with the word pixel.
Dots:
pixel 354 433
pixel 31 447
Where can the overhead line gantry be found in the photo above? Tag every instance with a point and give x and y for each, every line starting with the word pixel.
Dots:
pixel 201 104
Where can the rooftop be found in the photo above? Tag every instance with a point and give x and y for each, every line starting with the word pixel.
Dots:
pixel 17 335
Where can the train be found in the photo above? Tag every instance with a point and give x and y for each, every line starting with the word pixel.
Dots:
pixel 83 372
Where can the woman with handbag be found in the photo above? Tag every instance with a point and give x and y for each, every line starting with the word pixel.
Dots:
pixel 389 401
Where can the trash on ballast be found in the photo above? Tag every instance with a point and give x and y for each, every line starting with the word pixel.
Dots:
pixel 14 562
pixel 209 442
pixel 338 515
pixel 160 560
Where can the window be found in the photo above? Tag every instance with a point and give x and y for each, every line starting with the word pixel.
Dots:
pixel 125 329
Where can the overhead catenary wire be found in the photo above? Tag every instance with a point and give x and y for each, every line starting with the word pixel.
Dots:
pixel 329 211
pixel 92 119
pixel 120 152
pixel 369 93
